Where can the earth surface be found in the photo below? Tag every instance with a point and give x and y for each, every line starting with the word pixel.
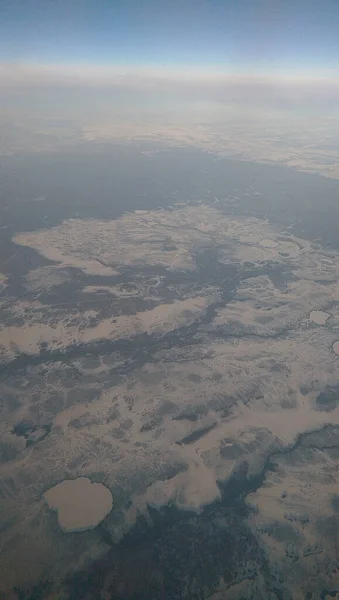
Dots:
pixel 169 338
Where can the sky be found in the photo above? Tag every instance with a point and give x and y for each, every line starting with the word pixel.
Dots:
pixel 101 56
pixel 237 35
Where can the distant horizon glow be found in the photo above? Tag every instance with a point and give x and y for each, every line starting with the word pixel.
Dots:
pixel 31 74
pixel 285 90
pixel 22 72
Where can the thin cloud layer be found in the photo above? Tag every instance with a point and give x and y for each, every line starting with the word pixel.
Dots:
pixel 224 86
